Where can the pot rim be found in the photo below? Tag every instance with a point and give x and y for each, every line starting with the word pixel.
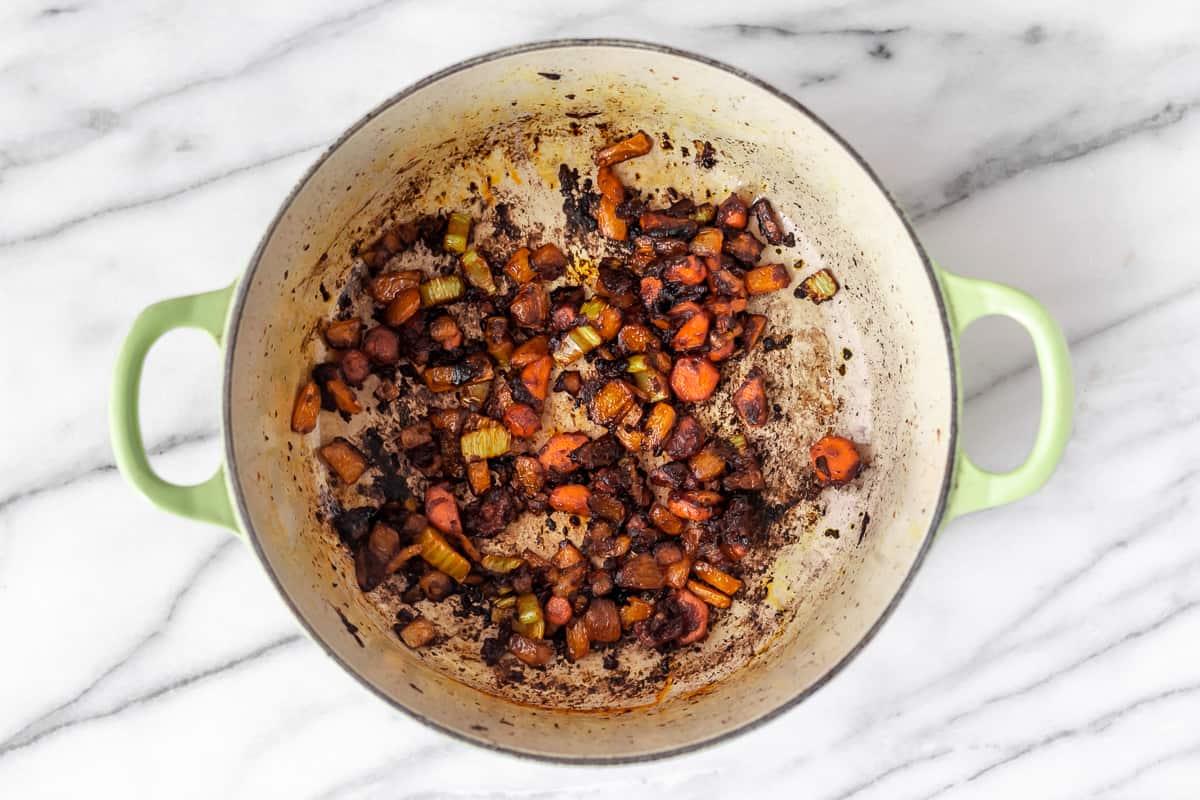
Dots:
pixel 238 303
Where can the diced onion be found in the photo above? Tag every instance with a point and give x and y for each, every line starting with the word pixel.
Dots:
pixel 489 440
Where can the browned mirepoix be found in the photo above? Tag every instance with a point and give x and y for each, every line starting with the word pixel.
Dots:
pixel 344 332
pixel 668 508
pixel 768 223
pixel 750 399
pixel 307 408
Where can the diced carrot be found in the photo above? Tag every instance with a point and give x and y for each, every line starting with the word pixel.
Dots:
pixel 578 641
pixel 529 474
pixel 630 437
pixel 695 505
pixel 479 477
pixel 750 400
pixel 571 498
pixel 343 396
pixel 667 226
pixel 635 338
pixel 694 379
pixel 708 464
pixel 630 147
pixel 384 288
pixel 536 377
pixel 709 595
pixel 344 333
pixel 518 267
pixel 635 610
pixel 707 242
pixel 643 253
pixel 768 222
pixel 724 282
pixel 651 288
pixel 499 341
pixel 529 351
pixel 445 331
pixel 692 333
pixel 522 421
pixel 744 247
pixel 664 520
pixel 676 573
pixel 609 324
pixel 768 278
pixel 442 509
pixel 719 580
pixel 732 213
pixel 611 403
pixel 611 226
pixel 689 270
pixel 721 346
pixel 406 303
pixel 610 185
pixel 752 330
pixel 556 454
pixel 307 408
pixel 346 461
pixel 835 460
pixel 549 261
pixel 658 426
pixel 530 306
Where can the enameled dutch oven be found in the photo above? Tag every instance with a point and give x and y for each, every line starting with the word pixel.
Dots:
pixel 877 363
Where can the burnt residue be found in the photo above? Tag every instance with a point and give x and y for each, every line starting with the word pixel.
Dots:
pixel 862 531
pixel 706 154
pixel 771 343
pixel 550 76
pixel 350 627
pixel 502 221
pixel 578 201
pixel 582 114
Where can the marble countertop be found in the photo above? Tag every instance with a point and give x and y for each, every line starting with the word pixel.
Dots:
pixel 1049 649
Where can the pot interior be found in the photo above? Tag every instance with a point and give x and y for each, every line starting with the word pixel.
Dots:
pixel 873 364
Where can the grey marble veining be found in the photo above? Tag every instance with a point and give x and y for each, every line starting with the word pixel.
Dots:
pixel 1048 649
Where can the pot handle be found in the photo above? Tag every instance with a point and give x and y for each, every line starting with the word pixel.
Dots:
pixel 974 489
pixel 208 501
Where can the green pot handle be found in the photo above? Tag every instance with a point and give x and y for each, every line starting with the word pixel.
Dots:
pixel 974 489
pixel 208 501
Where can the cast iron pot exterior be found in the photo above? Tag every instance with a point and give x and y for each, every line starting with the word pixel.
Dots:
pixel 898 314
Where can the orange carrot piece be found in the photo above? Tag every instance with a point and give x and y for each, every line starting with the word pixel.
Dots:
pixel 442 509
pixel 768 278
pixel 343 396
pixel 694 379
pixel 556 453
pixel 518 267
pixel 536 377
pixel 307 408
pixel 402 307
pixel 344 333
pixel 750 400
pixel 689 270
pixel 529 351
pixel 636 145
pixel 571 498
pixel 835 460
pixel 692 333
pixel 610 185
pixel 521 420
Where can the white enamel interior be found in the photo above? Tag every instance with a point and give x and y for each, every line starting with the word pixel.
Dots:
pixel 420 153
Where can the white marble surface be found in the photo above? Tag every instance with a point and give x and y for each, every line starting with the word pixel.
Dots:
pixel 1048 649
